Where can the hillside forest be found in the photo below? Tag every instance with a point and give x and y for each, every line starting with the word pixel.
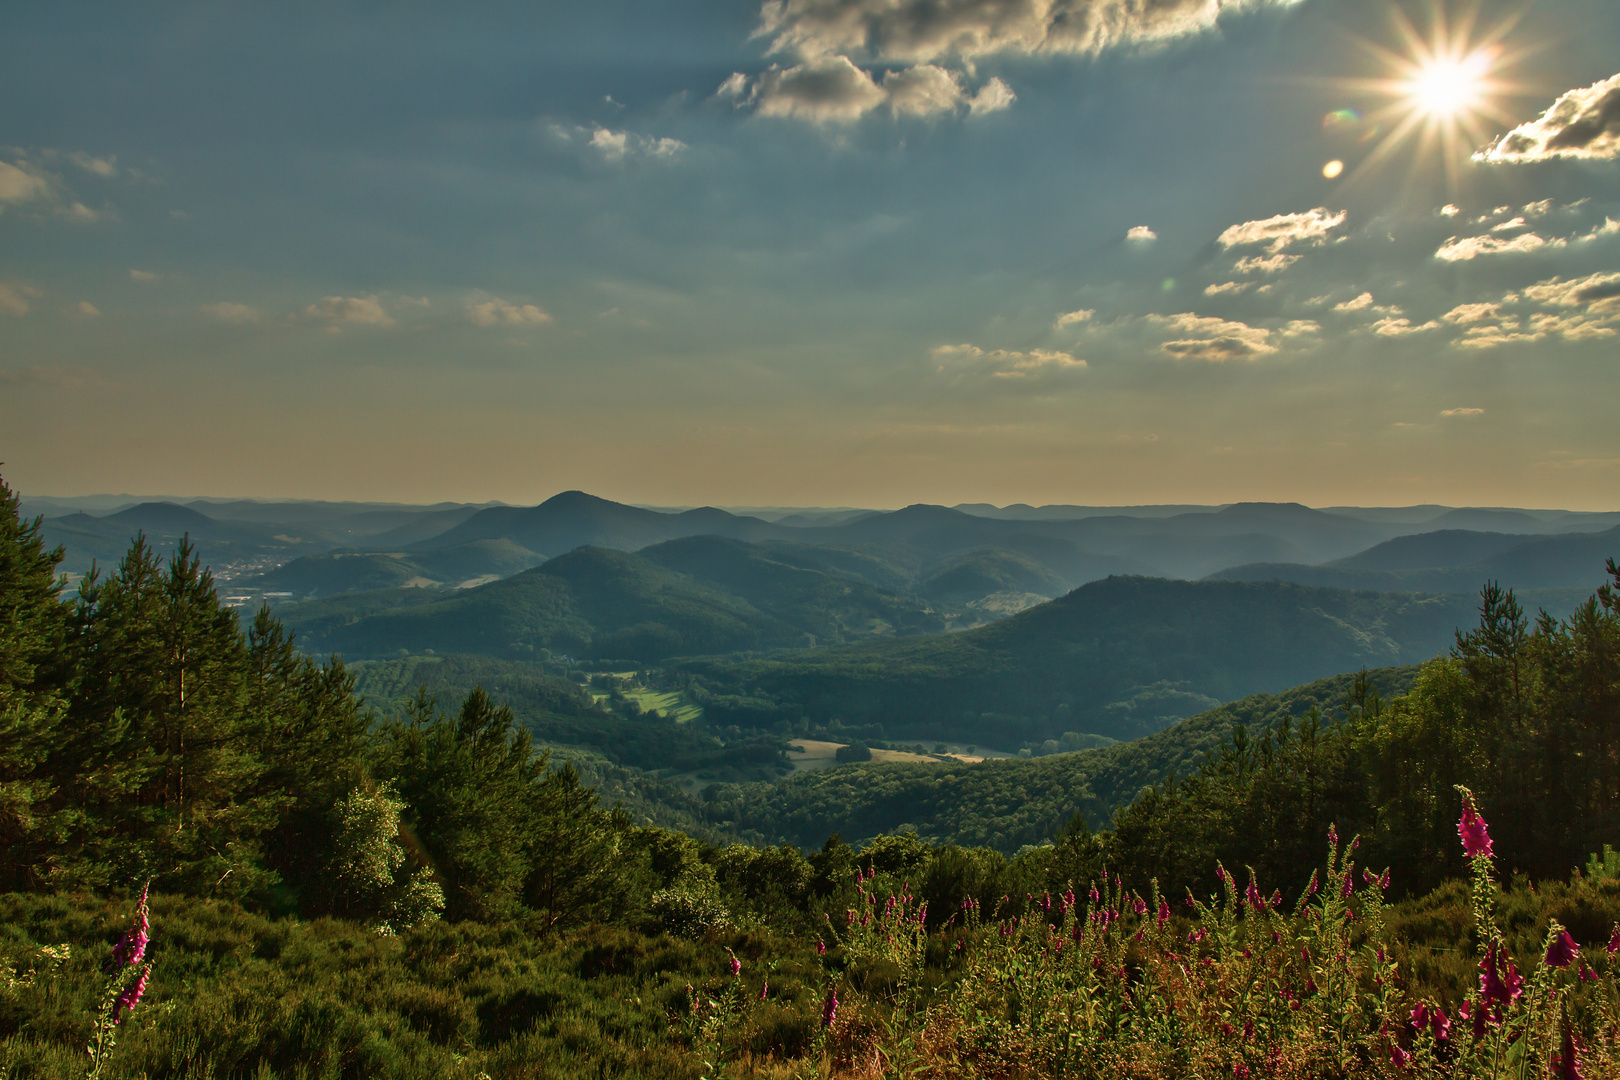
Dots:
pixel 409 883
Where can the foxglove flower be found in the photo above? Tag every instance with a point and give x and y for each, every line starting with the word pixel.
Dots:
pixel 735 965
pixel 1567 1065
pixel 1476 841
pixel 1562 951
pixel 1614 940
pixel 131 948
pixel 131 995
pixel 829 1008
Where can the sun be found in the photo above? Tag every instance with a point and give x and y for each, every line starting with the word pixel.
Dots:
pixel 1444 88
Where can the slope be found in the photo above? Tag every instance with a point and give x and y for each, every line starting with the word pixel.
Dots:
pixel 1008 803
pixel 1121 657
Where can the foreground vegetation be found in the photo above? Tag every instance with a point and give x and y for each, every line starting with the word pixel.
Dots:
pixel 338 892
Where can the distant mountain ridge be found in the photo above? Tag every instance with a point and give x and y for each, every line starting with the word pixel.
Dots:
pixel 1454 561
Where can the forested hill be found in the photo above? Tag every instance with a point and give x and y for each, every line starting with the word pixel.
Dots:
pixel 1006 804
pixel 1123 657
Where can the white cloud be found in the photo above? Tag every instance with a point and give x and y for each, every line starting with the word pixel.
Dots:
pixel 1365 300
pixel 1580 124
pixel 1140 234
pixel 1233 287
pixel 1389 327
pixel 1214 339
pixel 1012 364
pixel 1490 337
pixel 86 308
pixel 145 276
pixel 1510 225
pixel 22 183
pixel 1539 208
pixel 1463 314
pixel 103 167
pixel 1284 230
pixel 1462 412
pixel 498 312
pixel 362 310
pixel 227 311
pixel 920 31
pixel 1299 328
pixel 1472 247
pixel 1069 318
pixel 993 96
pixel 1609 228
pixel 1269 264
pixel 15 299
pixel 618 145
pixel 832 89
pixel 1596 292
pixel 1450 210
pixel 1572 327
pixel 923 90
pixel 824 36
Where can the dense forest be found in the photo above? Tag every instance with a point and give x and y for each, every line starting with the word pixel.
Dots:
pixel 347 890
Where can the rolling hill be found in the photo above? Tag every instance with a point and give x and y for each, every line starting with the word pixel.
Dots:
pixel 1123 657
pixel 1008 803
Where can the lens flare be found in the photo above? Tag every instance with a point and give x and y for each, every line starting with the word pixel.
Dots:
pixel 1443 87
pixel 1332 169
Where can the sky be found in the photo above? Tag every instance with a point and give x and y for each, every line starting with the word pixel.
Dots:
pixel 814 252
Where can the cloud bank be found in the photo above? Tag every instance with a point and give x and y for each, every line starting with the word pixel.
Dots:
pixel 828 37
pixel 1580 124
pixel 919 31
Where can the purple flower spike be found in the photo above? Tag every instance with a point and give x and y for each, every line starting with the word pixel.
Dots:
pixel 736 967
pixel 1562 951
pixel 829 1008
pixel 1567 1066
pixel 1476 841
pixel 1614 940
pixel 132 995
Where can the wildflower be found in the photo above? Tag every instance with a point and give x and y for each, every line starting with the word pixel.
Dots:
pixel 1476 1014
pixel 829 1008
pixel 1333 835
pixel 1439 1024
pixel 1315 883
pixel 1095 895
pixel 131 948
pixel 1567 1066
pixel 132 994
pixel 764 988
pixel 821 948
pixel 1164 913
pixel 1398 1057
pixel 1476 841
pixel 1383 879
pixel 1276 898
pixel 1499 987
pixel 1348 888
pixel 1240 1071
pixel 1140 907
pixel 1587 974
pixel 1614 940
pixel 1562 950
pixel 735 965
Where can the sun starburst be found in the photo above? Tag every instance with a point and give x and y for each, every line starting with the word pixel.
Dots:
pixel 1443 88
